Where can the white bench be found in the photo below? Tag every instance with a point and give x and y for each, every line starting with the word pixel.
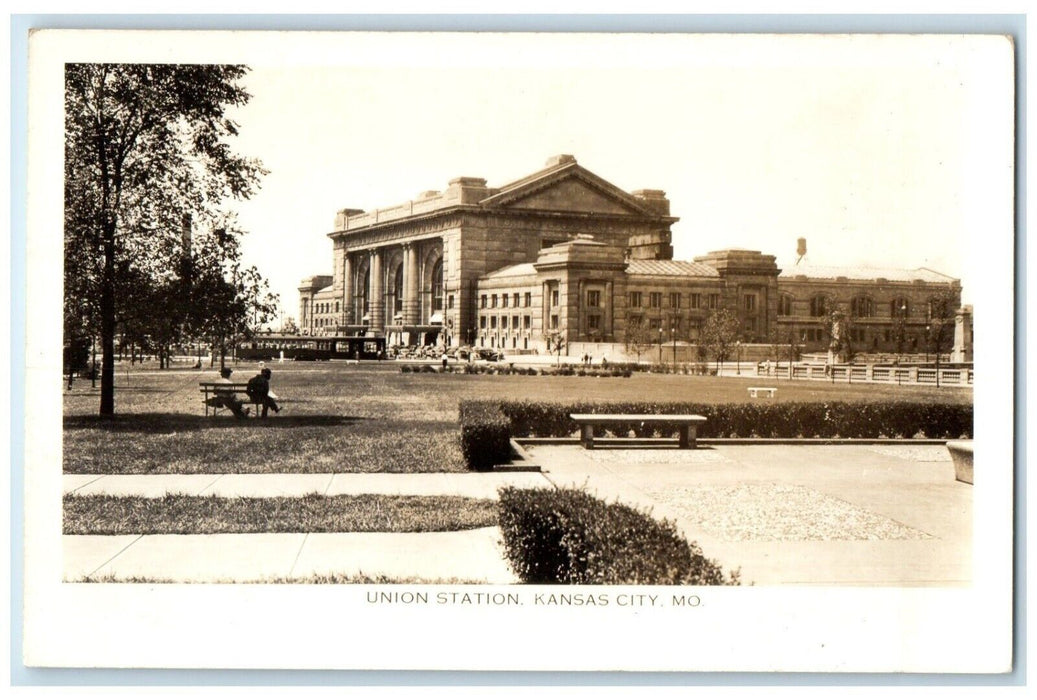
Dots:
pixel 687 429
pixel 757 391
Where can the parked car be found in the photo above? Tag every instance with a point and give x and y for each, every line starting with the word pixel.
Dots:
pixel 490 355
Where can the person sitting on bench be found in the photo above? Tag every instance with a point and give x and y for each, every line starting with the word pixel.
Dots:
pixel 259 391
pixel 226 399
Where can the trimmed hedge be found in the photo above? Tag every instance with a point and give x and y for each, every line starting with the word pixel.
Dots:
pixel 569 536
pixel 829 419
pixel 485 435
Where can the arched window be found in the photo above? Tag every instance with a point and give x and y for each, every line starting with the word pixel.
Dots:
pixel 785 305
pixel 819 306
pixel 899 308
pixel 397 290
pixel 862 307
pixel 367 291
pixel 437 286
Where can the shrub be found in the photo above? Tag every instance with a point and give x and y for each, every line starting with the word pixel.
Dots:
pixel 569 536
pixel 485 434
pixel 885 419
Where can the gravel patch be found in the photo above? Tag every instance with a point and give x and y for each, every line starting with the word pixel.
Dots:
pixel 914 453
pixel 780 513
pixel 663 456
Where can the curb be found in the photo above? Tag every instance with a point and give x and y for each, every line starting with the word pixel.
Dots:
pixel 650 442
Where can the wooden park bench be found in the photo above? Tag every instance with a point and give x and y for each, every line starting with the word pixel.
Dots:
pixel 687 425
pixel 757 391
pixel 211 390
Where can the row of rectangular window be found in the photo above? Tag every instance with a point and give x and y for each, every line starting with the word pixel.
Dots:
pixel 655 300
pixel 860 307
pixel 526 322
pixel 527 300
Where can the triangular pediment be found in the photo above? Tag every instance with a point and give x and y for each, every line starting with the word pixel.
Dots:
pixel 571 189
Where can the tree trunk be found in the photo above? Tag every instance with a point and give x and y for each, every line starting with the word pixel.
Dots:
pixel 108 323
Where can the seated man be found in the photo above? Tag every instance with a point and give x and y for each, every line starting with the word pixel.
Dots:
pixel 227 399
pixel 259 391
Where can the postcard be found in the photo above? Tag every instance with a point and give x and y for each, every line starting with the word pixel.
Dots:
pixel 545 352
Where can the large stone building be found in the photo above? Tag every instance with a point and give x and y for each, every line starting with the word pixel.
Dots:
pixel 564 255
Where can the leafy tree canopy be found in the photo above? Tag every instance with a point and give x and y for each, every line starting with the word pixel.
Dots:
pixel 148 162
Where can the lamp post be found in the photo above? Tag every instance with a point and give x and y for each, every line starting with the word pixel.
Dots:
pixel 673 338
pixel 738 357
pixel 660 344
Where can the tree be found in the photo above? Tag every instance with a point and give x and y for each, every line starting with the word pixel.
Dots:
pixel 784 343
pixel 145 147
pixel 289 326
pixel 556 343
pixel 899 332
pixel 719 332
pixel 638 337
pixel 940 320
pixel 229 307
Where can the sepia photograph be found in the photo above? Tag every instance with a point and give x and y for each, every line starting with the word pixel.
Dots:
pixel 551 340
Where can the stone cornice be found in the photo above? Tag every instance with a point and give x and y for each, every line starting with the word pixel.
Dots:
pixel 579 266
pixel 427 225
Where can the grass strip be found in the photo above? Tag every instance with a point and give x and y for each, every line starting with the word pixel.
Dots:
pixel 178 514
pixel 180 445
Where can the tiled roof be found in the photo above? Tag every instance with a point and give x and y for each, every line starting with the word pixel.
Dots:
pixel 865 273
pixel 512 271
pixel 672 268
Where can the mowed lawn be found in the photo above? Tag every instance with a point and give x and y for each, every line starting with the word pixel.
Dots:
pixel 366 418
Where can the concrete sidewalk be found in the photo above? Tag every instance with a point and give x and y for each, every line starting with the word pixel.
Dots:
pixel 470 556
pixel 467 556
pixel 874 515
pixel 470 484
pixel 786 514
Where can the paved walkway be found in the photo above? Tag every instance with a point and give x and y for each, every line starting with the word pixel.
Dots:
pixel 470 556
pixel 784 514
pixel 787 514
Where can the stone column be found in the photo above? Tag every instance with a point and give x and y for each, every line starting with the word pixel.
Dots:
pixel 581 310
pixel 411 299
pixel 962 350
pixel 377 293
pixel 347 289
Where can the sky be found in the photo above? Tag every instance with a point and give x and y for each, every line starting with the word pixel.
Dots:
pixel 880 151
